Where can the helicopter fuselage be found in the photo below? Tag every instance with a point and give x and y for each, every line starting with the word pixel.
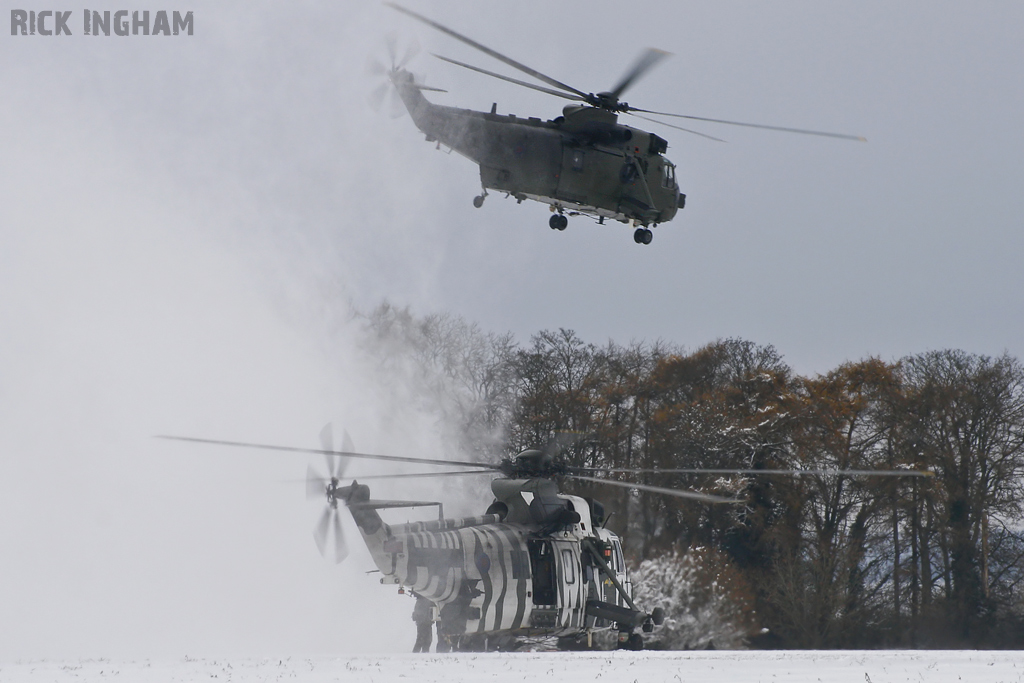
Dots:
pixel 527 568
pixel 583 162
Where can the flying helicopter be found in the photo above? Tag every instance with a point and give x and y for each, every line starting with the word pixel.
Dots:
pixel 537 564
pixel 583 162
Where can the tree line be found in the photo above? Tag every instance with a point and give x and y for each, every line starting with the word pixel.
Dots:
pixel 823 561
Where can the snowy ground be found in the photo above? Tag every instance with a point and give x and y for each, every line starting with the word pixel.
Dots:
pixel 624 667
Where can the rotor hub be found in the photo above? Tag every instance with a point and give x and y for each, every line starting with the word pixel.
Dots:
pixel 607 100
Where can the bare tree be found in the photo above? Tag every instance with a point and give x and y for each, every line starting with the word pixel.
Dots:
pixel 830 560
pixel 965 414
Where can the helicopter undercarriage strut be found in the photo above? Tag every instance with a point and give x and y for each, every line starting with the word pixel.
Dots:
pixel 626 618
pixel 595 555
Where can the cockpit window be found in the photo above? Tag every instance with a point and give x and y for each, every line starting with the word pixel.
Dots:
pixel 668 178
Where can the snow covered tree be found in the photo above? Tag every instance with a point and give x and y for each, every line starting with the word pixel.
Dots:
pixel 706 602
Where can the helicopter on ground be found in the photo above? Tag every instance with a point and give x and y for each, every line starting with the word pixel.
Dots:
pixel 582 162
pixel 538 564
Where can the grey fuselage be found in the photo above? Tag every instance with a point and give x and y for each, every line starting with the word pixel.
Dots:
pixel 581 162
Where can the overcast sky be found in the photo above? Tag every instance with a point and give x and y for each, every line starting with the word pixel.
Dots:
pixel 185 222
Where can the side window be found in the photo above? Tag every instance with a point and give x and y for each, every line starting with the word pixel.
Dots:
pixel 577 160
pixel 568 566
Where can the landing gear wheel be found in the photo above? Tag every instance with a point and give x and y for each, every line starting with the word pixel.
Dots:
pixel 643 236
pixel 478 201
pixel 558 222
pixel 633 642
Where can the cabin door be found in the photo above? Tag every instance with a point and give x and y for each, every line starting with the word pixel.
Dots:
pixel 543 569
pixel 570 583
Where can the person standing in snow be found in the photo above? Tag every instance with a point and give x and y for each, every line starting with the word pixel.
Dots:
pixel 423 615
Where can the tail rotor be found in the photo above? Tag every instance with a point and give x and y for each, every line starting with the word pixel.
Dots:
pixel 329 535
pixel 328 532
pixel 391 72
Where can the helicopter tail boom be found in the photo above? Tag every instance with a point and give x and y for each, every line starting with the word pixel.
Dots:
pixel 372 528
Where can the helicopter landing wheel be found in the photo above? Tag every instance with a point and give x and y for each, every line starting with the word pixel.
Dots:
pixel 478 200
pixel 630 641
pixel 643 236
pixel 558 222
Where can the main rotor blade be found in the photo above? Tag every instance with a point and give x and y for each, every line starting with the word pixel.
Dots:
pixel 422 474
pixel 316 487
pixel 793 473
pixel 644 62
pixel 802 131
pixel 486 50
pixel 691 495
pixel 346 454
pixel 671 125
pixel 549 91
